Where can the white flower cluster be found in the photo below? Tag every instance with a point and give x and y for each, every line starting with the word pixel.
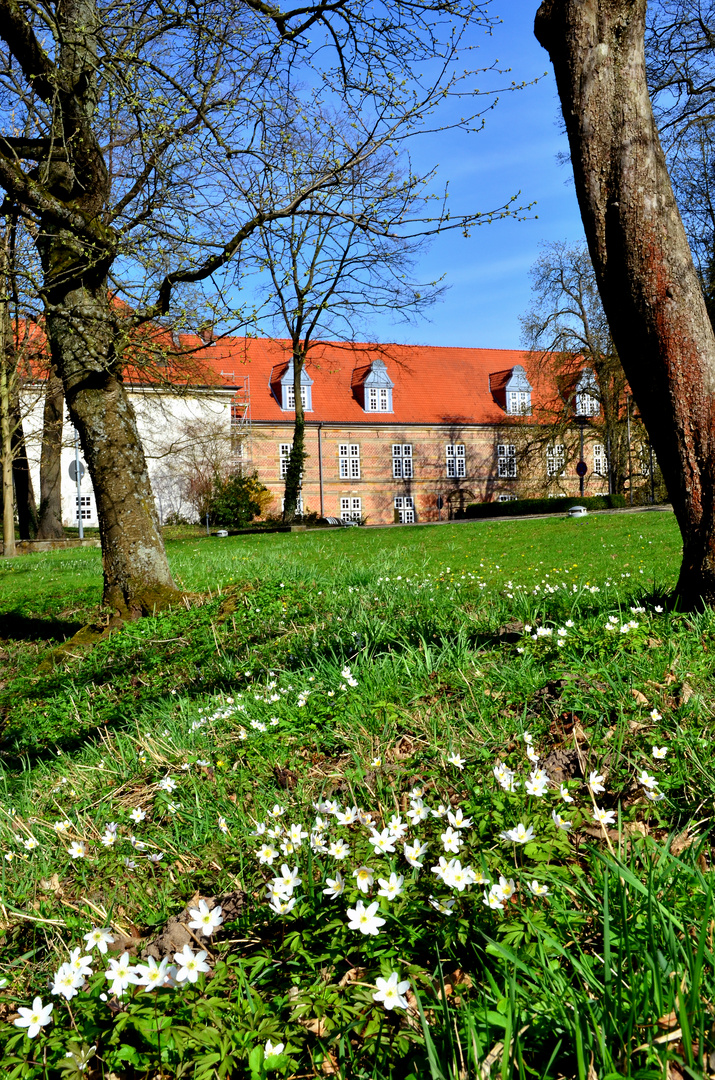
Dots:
pixel 120 973
pixel 364 917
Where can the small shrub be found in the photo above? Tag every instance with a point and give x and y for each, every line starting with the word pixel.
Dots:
pixel 235 501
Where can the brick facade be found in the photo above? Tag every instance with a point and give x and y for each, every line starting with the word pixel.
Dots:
pixel 377 487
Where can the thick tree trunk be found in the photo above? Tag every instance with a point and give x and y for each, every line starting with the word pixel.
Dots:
pixel 50 522
pixel 647 280
pixel 294 473
pixel 137 578
pixel 83 333
pixel 24 492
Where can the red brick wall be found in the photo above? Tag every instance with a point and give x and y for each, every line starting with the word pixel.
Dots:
pixel 377 488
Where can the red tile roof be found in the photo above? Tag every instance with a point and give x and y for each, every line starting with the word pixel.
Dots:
pixel 432 385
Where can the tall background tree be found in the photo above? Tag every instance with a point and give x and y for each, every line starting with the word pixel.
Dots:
pixel 680 67
pixel 348 255
pixel 567 328
pixel 146 128
pixel 650 288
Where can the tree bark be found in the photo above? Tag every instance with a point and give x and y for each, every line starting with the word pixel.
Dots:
pixel 81 327
pixel 50 522
pixel 137 578
pixel 646 277
pixel 24 492
pixel 294 473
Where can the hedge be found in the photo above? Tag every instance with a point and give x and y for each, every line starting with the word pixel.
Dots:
pixel 517 507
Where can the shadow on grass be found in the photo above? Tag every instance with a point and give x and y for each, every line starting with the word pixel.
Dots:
pixel 17 627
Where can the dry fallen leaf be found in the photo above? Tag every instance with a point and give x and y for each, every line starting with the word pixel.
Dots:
pixel 680 842
pixel 668 1022
pixel 317 1025
pixel 640 698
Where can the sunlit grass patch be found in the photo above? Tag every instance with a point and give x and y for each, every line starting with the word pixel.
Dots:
pixel 455 812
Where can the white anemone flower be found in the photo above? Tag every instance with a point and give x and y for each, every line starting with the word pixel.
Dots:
pixel 414 852
pixel 391 887
pixel 595 782
pixel 493 901
pixel 35 1018
pixel 67 981
pixel 79 963
pixel 365 919
pixel 364 878
pixel 120 974
pixel 561 823
pixel 390 992
pixel 152 975
pixel 451 840
pixel 205 919
pixel 100 937
pixel 190 965
pixel 336 886
pixel 519 834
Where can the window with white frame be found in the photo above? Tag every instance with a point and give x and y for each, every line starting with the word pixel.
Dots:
pixel 402 461
pixel 587 405
pixel 83 507
pixel 518 402
pixel 351 509
pixel 378 399
pixel 456 460
pixel 290 397
pixel 284 458
pixel 555 459
pixel 298 505
pixel 506 461
pixel 600 460
pixel 405 507
pixel 349 456
pixel 507 498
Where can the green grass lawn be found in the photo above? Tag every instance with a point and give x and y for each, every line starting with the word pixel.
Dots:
pixel 340 745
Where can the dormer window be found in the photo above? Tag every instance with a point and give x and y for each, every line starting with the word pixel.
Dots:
pixel 518 402
pixel 290 397
pixel 378 399
pixel 377 388
pixel 287 390
pixel 587 398
pixel 512 390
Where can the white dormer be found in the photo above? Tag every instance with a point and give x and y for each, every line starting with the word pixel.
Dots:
pixel 378 388
pixel 517 392
pixel 587 395
pixel 288 389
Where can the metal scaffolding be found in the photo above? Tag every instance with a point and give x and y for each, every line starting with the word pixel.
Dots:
pixel 241 442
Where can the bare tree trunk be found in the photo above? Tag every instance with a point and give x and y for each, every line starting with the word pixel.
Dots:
pixel 294 473
pixel 50 523
pixel 24 492
pixel 646 277
pixel 8 495
pixel 82 334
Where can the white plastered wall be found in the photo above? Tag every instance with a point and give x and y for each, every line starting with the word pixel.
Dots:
pixel 167 424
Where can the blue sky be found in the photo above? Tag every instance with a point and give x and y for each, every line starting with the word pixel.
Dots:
pixel 488 274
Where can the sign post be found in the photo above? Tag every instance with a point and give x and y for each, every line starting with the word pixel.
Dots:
pixel 79 472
